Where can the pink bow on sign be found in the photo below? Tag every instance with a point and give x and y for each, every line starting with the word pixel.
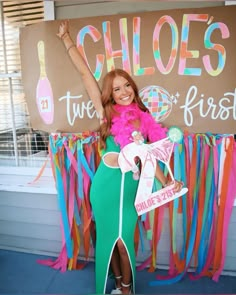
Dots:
pixel 149 154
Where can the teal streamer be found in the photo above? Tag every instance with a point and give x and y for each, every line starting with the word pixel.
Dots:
pixel 176 201
pixel 62 207
pixel 183 177
pixel 80 172
pixel 84 161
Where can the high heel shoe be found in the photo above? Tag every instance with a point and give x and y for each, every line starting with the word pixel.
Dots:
pixel 116 291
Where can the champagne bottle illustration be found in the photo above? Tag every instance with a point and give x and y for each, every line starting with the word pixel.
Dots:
pixel 44 94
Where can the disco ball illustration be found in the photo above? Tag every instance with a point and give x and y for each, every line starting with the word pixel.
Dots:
pixel 158 101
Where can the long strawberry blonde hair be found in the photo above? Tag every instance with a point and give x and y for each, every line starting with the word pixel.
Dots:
pixel 108 101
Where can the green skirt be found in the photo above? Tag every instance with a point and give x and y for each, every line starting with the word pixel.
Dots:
pixel 112 198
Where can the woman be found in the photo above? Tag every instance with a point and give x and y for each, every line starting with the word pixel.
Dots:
pixel 124 119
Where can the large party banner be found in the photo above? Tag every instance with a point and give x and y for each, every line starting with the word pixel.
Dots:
pixel 183 61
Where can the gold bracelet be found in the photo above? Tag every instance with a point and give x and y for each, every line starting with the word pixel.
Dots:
pixel 68 49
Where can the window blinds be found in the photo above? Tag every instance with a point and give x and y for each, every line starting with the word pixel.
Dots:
pixel 18 142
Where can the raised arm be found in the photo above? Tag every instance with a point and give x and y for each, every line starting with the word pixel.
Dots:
pixel 88 79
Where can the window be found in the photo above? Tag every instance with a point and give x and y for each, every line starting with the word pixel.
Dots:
pixel 20 145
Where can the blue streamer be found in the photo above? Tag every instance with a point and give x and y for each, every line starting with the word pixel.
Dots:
pixel 141 235
pixel 76 214
pixel 188 256
pixel 190 144
pixel 63 209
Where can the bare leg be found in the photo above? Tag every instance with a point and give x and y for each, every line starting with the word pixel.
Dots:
pixel 115 265
pixel 125 267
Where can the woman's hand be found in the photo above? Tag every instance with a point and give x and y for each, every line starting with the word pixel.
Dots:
pixel 177 185
pixel 63 29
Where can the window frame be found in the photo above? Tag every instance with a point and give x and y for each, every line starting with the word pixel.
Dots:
pixel 20 178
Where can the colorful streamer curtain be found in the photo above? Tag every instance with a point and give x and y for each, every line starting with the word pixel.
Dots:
pixel 206 163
